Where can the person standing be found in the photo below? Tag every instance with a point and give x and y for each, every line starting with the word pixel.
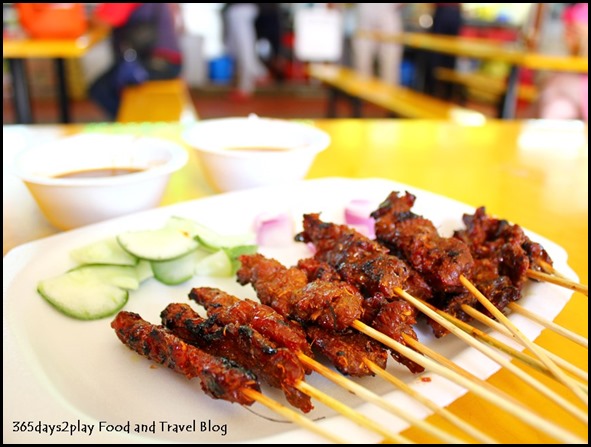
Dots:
pixel 240 36
pixel 447 20
pixel 146 46
pixel 383 18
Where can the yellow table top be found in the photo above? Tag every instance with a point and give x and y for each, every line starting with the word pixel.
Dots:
pixel 534 173
pixel 51 48
pixel 486 49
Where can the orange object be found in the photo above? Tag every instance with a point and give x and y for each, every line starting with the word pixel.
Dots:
pixel 53 20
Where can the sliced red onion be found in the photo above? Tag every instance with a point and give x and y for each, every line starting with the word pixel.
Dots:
pixel 357 215
pixel 274 230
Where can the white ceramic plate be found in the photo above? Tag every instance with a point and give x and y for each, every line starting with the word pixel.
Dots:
pixel 60 373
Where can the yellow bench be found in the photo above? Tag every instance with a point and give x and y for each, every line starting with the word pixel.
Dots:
pixel 400 101
pixel 484 85
pixel 155 101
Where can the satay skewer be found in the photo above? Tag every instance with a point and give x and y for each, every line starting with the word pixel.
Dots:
pixel 559 281
pixel 549 325
pixel 487 321
pixel 443 412
pixel 369 396
pixel 494 396
pixel 292 415
pixel 497 357
pixel 557 372
pixel 226 309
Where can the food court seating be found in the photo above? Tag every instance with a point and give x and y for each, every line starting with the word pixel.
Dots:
pixel 399 101
pixel 484 85
pixel 155 101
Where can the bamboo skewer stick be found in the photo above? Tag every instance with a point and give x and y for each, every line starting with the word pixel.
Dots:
pixel 497 357
pixel 486 338
pixel 293 416
pixel 558 373
pixel 550 325
pixel 369 396
pixel 479 316
pixel 443 412
pixel 493 396
pixel 351 414
pixel 559 281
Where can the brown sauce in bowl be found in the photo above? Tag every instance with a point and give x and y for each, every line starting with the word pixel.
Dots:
pixel 96 173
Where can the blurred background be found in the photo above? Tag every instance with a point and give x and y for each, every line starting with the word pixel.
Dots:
pixel 283 45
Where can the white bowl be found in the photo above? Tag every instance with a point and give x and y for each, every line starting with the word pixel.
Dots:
pixel 73 202
pixel 240 153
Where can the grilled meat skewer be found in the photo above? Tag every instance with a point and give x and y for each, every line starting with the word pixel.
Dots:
pixel 441 261
pixel 504 245
pixel 360 261
pixel 220 378
pixel 227 309
pixel 277 366
pixel 332 304
pixel 346 349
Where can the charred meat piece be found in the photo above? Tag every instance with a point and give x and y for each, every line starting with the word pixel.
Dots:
pixel 277 366
pixel 364 263
pixel 451 303
pixel 316 269
pixel 346 351
pixel 228 309
pixel 368 266
pixel 394 319
pixel 499 290
pixel 441 261
pixel 327 309
pixel 503 244
pixel 276 285
pixel 220 378
pixel 333 305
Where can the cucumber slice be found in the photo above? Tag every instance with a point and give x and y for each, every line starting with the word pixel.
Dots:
pixel 123 276
pixel 107 251
pixel 162 244
pixel 144 270
pixel 79 294
pixel 179 270
pixel 208 238
pixel 234 252
pixel 217 264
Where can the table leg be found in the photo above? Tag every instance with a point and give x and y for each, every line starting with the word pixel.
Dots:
pixel 20 95
pixel 420 73
pixel 356 106
pixel 64 101
pixel 331 103
pixel 508 104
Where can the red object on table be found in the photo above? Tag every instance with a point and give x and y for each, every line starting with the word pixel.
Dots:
pixel 52 20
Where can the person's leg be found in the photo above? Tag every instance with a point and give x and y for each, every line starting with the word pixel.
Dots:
pixel 364 49
pixel 390 61
pixel 390 54
pixel 242 38
pixel 105 93
pixel 363 55
pixel 447 20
